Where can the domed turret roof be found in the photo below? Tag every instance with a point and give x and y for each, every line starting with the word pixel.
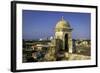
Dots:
pixel 62 24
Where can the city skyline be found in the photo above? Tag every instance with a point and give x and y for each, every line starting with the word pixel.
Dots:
pixel 41 24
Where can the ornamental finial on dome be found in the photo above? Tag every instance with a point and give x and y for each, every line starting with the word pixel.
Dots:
pixel 62 17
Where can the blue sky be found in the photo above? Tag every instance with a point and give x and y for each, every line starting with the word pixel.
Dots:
pixel 41 24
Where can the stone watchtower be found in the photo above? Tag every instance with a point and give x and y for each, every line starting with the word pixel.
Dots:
pixel 63 36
